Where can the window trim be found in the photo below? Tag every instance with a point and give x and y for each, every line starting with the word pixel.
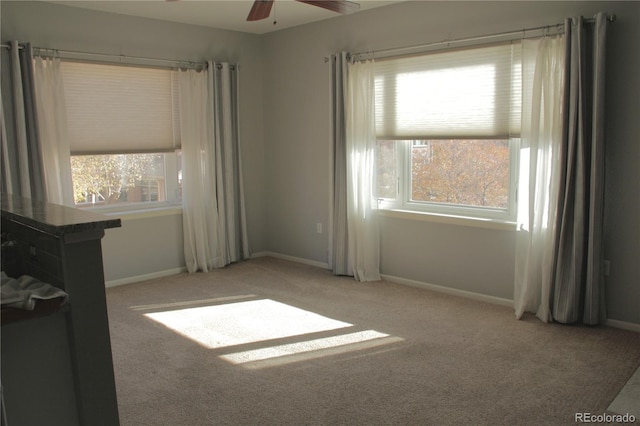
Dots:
pixel 142 213
pixel 456 220
pixel 403 202
pixel 172 199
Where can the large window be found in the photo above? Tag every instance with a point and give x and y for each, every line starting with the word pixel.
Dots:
pixel 448 125
pixel 123 133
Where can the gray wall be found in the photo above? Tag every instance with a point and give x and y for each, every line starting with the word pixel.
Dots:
pixel 143 246
pixel 286 133
pixel 298 134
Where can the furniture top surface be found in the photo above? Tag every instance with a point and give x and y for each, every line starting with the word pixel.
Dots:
pixel 53 218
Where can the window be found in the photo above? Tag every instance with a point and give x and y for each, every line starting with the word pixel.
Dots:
pixel 448 125
pixel 124 134
pixel 125 179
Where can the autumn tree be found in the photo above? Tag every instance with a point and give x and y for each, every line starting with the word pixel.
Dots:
pixel 465 172
pixel 387 169
pixel 105 177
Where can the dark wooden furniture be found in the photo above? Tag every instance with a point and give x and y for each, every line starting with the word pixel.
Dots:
pixel 62 246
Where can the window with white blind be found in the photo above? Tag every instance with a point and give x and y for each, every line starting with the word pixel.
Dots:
pixel 448 124
pixel 124 130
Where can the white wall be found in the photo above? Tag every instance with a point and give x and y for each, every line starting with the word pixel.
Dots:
pixel 298 138
pixel 147 246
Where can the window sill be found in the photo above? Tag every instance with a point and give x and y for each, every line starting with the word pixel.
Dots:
pixel 475 222
pixel 142 213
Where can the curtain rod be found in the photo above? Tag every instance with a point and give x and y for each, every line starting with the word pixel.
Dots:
pixel 55 52
pixel 610 18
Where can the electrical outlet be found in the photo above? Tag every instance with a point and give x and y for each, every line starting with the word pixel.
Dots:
pixel 607 267
pixel 319 228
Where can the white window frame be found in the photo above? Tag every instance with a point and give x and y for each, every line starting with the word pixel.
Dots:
pixel 172 196
pixel 403 190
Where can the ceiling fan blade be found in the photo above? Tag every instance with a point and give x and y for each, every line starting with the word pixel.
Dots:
pixel 260 10
pixel 340 6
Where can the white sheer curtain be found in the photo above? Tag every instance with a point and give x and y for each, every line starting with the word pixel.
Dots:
pixel 213 207
pixel 202 245
pixel 52 125
pixel 362 220
pixel 543 63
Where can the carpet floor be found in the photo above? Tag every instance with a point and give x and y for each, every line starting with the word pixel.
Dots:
pixel 273 342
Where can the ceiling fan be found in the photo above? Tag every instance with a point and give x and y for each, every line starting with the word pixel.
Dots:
pixel 262 8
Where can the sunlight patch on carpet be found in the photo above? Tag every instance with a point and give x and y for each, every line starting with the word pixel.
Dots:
pixel 239 323
pixel 316 348
pixel 182 304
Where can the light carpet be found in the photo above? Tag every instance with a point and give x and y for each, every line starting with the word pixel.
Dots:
pixel 273 342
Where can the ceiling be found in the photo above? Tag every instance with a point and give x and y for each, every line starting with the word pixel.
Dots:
pixel 221 14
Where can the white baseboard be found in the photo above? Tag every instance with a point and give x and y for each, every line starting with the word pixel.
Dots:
pixel 449 290
pixel 623 325
pixel 413 283
pixel 492 299
pixel 144 277
pixel 304 261
pixel 391 278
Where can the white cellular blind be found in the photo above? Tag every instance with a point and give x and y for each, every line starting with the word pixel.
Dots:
pixel 120 109
pixel 472 93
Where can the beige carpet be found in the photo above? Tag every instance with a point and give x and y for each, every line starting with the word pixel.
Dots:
pixel 191 350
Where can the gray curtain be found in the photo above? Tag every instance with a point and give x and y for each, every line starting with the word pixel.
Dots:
pixel 22 170
pixel 339 256
pixel 578 294
pixel 229 184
